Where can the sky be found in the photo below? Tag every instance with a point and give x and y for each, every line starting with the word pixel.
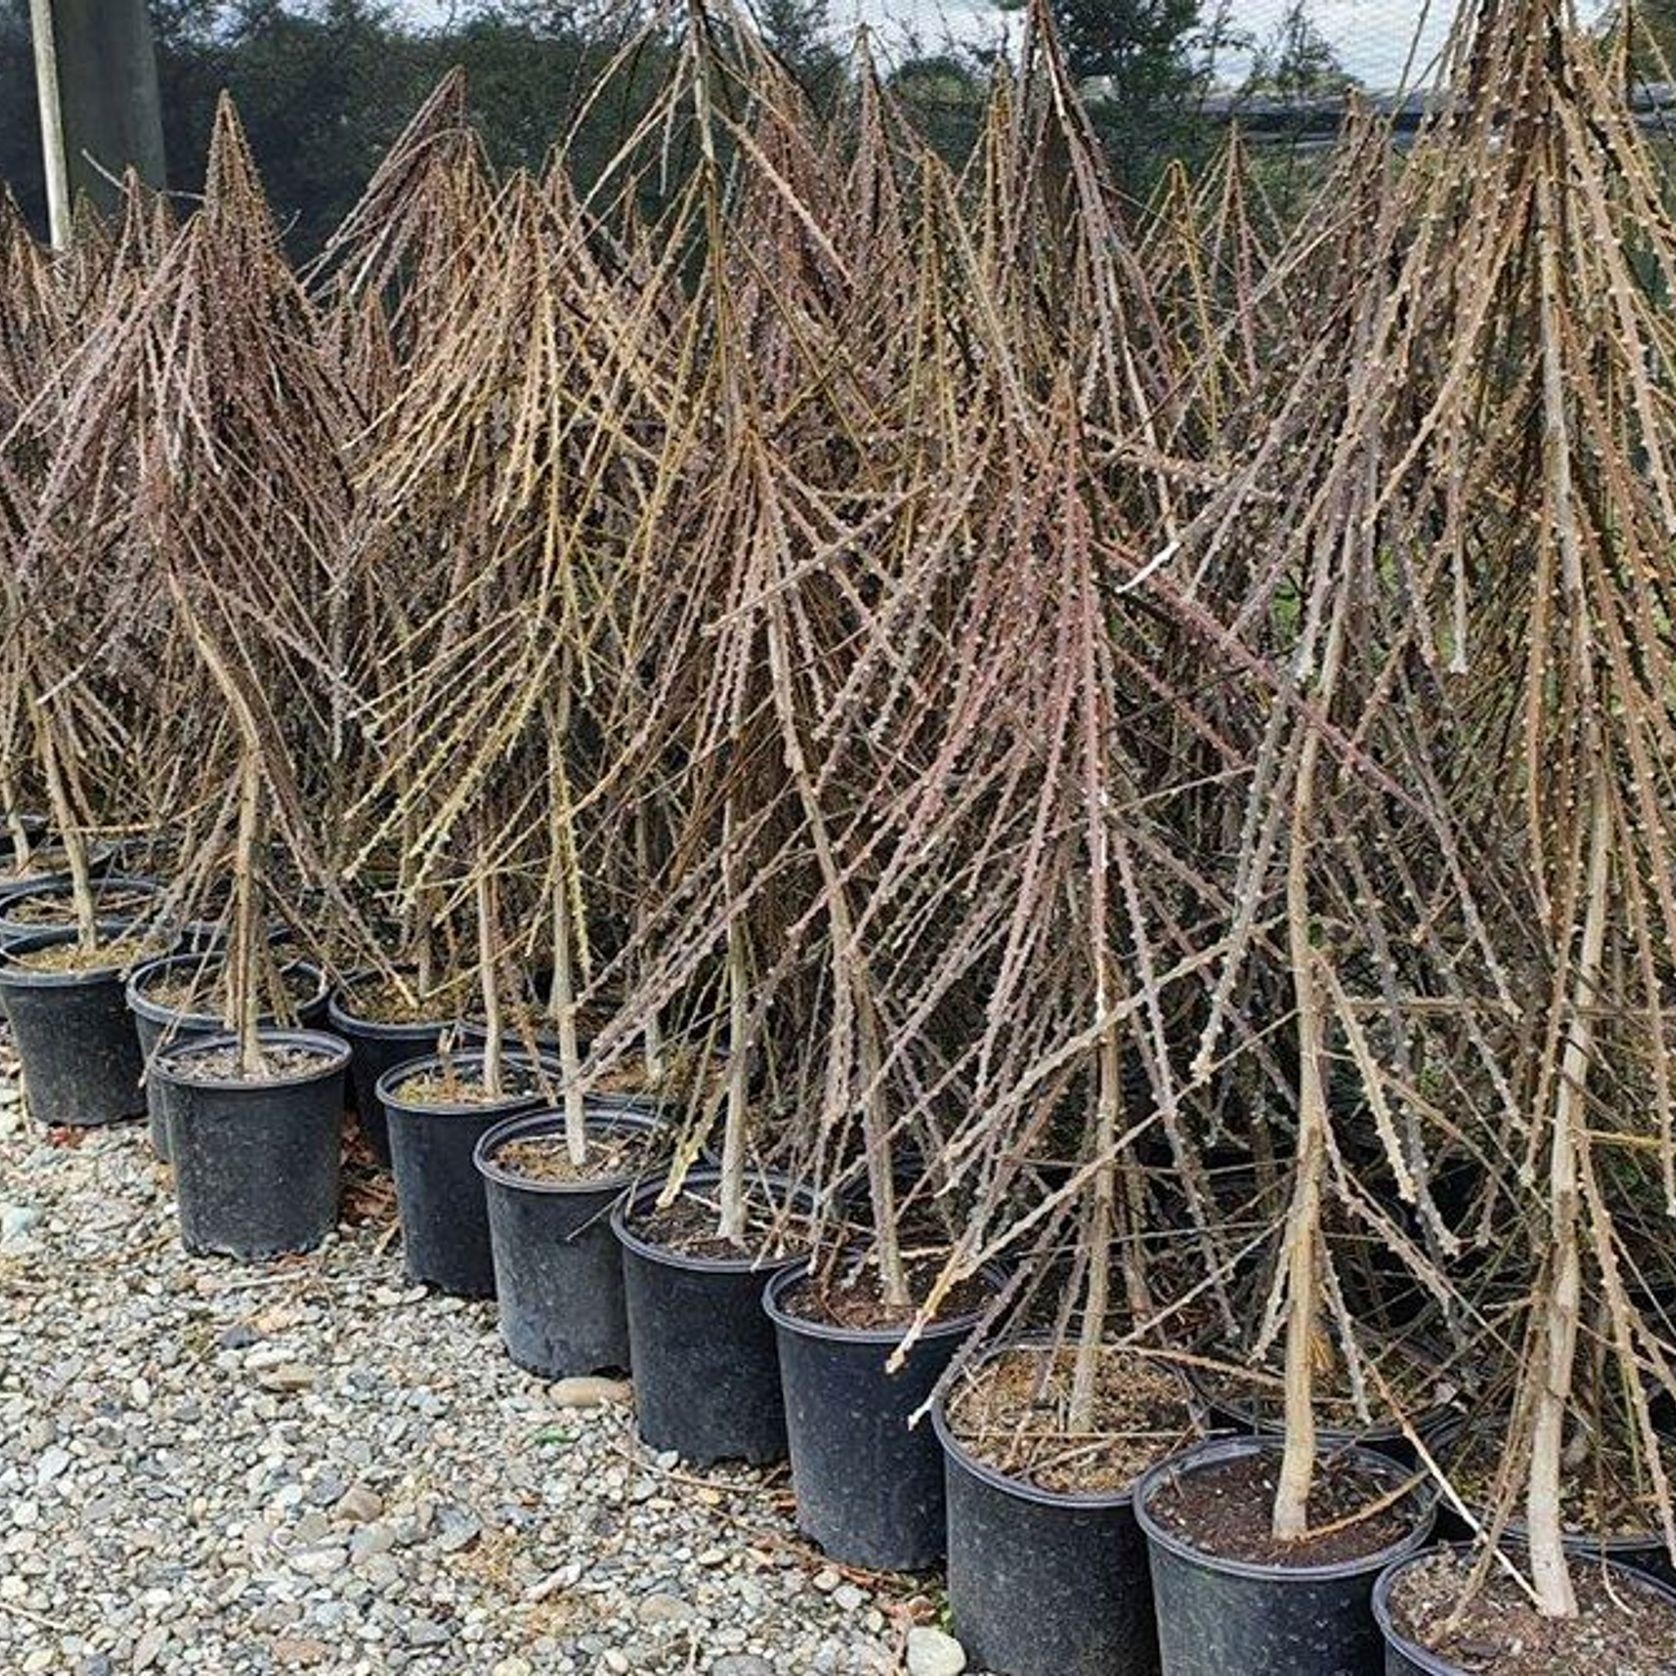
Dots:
pixel 1372 37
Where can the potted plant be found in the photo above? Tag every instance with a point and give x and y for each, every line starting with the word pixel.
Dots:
pixel 183 997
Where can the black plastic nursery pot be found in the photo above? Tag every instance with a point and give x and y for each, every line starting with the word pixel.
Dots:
pixel 706 1368
pixel 1043 1583
pixel 256 1162
pixel 19 916
pixel 1217 1616
pixel 1640 1551
pixel 160 1026
pixel 439 1193
pixel 558 1271
pixel 376 1048
pixel 869 1487
pixel 1436 1426
pixel 1408 1658
pixel 74 1036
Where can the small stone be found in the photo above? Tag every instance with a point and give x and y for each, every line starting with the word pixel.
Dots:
pixel 848 1598
pixel 371 1539
pixel 240 1336
pixel 460 1528
pixel 359 1505
pixel 827 1580
pixel 289 1649
pixel 663 1609
pixel 288 1376
pixel 426 1632
pixel 147 1648
pixel 589 1391
pixel 513 1666
pixel 17 1222
pixel 53 1461
pixel 932 1653
pixel 741 1664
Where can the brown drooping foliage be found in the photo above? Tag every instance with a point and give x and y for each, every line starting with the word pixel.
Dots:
pixel 1133 744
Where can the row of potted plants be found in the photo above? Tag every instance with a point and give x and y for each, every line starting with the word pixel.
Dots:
pixel 1103 771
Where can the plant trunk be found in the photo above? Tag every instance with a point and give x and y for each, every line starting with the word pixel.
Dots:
pixel 732 1185
pixel 643 914
pixel 494 1026
pixel 69 835
pixel 1556 1598
pixel 1303 1253
pixel 1101 1222
pixel 244 954
pixel 562 842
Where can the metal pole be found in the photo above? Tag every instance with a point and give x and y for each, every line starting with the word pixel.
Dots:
pixel 52 122
pixel 101 112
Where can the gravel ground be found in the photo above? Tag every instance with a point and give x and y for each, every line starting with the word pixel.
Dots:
pixel 309 1465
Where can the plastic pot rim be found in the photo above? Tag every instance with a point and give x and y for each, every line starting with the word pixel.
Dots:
pixel 166 1065
pixel 25 977
pixel 157 1013
pixel 691 1262
pixel 98 855
pixel 1440 1420
pixel 59 884
pixel 1434 1664
pixel 802 1326
pixel 1215 1451
pixel 1018 1488
pixel 545 1121
pixel 1579 1544
pixel 380 1029
pixel 387 1084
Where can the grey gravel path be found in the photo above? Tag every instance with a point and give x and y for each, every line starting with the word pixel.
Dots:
pixel 310 1466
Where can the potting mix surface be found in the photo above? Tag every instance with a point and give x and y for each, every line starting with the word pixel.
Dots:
pixel 1227 1509
pixel 688 1226
pixel 1012 1412
pixel 277 1062
pixel 857 1302
pixel 1620 1630
pixel 546 1158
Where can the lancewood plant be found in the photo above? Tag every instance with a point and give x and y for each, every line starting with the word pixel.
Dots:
pixel 203 461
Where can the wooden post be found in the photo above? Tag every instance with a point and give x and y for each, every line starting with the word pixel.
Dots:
pixel 101 112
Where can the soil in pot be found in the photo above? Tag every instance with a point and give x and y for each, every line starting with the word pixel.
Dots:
pixel 706 1371
pixel 183 999
pixel 1250 1400
pixel 1608 1505
pixel 50 906
pixel 438 1108
pixel 256 1148
pixel 47 863
pixel 384 1027
pixel 558 1273
pixel 1626 1624
pixel 1230 1597
pixel 72 1028
pixel 1047 1569
pixel 869 1487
